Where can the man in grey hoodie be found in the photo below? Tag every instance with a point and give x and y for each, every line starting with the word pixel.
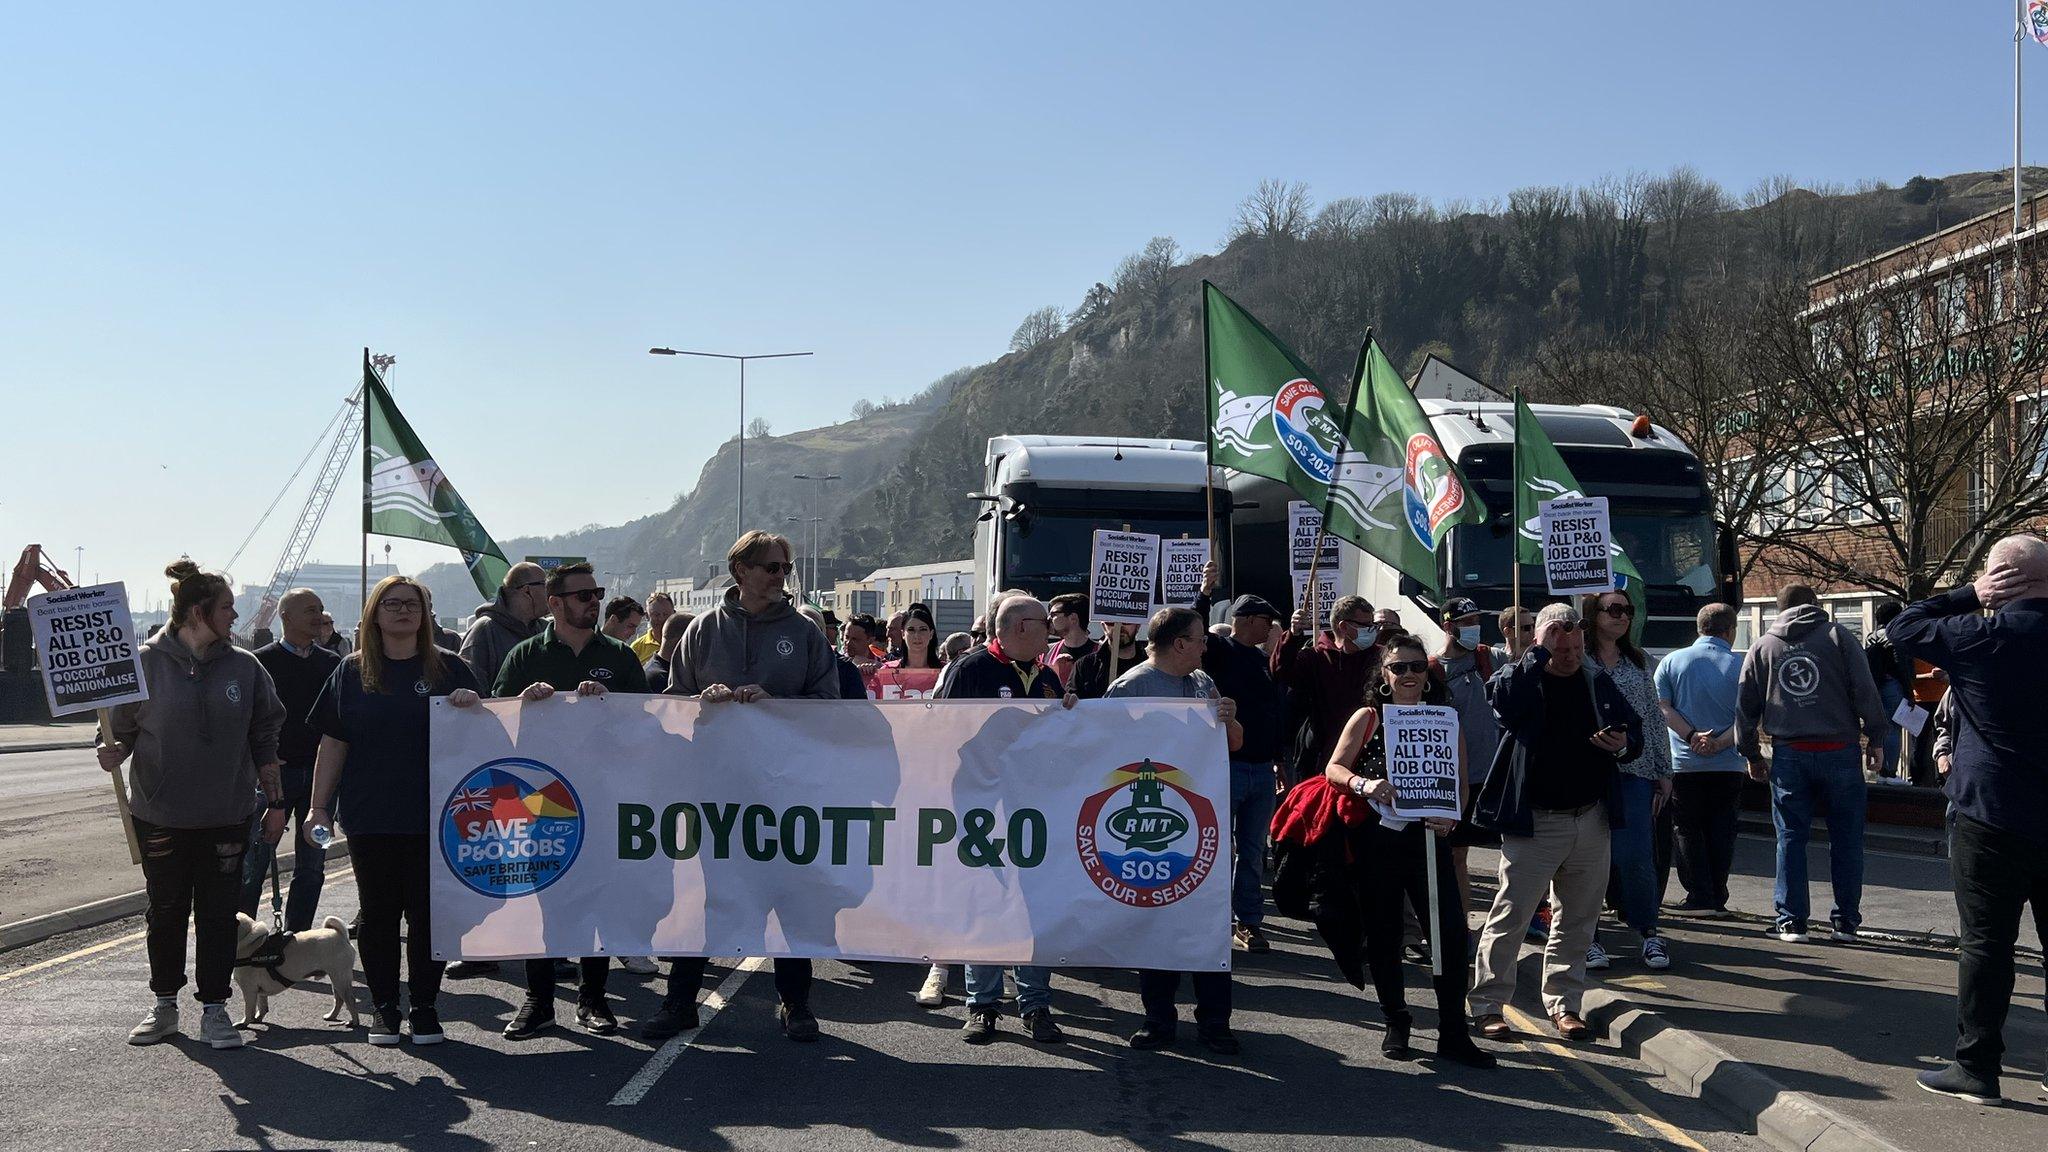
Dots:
pixel 1806 684
pixel 501 624
pixel 753 646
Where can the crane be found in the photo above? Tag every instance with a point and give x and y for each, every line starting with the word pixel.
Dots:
pixel 340 454
pixel 34 567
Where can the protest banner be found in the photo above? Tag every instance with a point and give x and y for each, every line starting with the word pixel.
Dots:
pixel 656 825
pixel 87 643
pixel 1123 573
pixel 1180 571
pixel 1578 555
pixel 1304 528
pixel 1422 760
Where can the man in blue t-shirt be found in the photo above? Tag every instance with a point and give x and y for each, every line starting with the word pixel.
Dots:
pixel 1696 691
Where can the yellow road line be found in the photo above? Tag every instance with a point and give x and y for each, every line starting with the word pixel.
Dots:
pixel 68 957
pixel 1616 1092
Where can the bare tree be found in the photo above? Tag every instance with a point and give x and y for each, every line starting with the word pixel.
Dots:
pixel 1144 272
pixel 1037 328
pixel 1921 388
pixel 862 409
pixel 1276 209
pixel 758 427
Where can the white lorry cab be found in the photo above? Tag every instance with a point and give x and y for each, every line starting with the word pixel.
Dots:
pixel 1657 495
pixel 1043 498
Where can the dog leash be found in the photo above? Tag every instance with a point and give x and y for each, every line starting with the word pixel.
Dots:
pixel 276 901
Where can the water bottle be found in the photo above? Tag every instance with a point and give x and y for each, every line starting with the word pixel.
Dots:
pixel 321 835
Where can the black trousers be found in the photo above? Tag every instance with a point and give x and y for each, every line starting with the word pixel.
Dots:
pixel 792 979
pixel 391 881
pixel 1387 869
pixel 594 974
pixel 1997 874
pixel 1707 808
pixel 192 875
pixel 1157 988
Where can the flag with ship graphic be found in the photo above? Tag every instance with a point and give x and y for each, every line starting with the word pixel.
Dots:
pixel 406 494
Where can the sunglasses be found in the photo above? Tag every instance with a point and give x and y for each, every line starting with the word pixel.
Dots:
pixel 529 584
pixel 777 568
pixel 1619 611
pixel 1358 623
pixel 586 595
pixel 1407 667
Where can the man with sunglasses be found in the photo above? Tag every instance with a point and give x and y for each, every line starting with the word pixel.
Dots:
pixel 753 646
pixel 568 654
pixel 505 621
pixel 1553 795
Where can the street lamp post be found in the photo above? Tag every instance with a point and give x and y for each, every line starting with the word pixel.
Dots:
pixel 810 583
pixel 740 496
pixel 817 494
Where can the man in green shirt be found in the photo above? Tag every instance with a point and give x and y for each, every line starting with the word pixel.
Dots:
pixel 568 655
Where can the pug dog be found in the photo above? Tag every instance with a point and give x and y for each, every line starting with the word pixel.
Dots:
pixel 323 951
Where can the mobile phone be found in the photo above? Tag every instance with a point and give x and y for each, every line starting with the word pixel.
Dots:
pixel 1612 730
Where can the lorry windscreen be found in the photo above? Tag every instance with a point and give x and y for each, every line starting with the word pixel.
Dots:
pixel 1670 547
pixel 1048 552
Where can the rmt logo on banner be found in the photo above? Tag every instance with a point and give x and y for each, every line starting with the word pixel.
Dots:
pixel 511 827
pixel 1148 840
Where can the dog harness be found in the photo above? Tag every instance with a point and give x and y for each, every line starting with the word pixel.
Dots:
pixel 269 955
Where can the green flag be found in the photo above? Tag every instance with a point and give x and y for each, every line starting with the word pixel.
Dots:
pixel 406 494
pixel 1384 482
pixel 1540 475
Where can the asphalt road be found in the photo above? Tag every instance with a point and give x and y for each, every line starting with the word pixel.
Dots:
pixel 31 775
pixel 887 1073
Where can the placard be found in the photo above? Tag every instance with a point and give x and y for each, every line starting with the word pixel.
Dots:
pixel 1304 527
pixel 1123 573
pixel 1180 571
pixel 1578 553
pixel 88 648
pixel 1422 760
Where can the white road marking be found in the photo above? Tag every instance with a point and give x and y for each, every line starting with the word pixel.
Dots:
pixel 644 1080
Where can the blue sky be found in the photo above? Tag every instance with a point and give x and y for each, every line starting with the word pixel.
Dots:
pixel 208 216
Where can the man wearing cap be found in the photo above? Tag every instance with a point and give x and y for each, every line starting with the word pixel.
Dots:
pixel 1464 667
pixel 1238 665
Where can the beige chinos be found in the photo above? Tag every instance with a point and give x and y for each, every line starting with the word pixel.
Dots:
pixel 1567 859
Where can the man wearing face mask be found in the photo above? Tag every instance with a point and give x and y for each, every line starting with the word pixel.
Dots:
pixel 1328 683
pixel 1463 668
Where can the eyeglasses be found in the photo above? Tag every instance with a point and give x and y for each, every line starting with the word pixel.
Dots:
pixel 1357 623
pixel 1620 611
pixel 978 635
pixel 400 607
pixel 529 584
pixel 1525 627
pixel 777 568
pixel 586 595
pixel 1407 667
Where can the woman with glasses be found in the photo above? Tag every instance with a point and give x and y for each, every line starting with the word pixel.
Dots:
pixel 1645 781
pixel 1367 864
pixel 372 720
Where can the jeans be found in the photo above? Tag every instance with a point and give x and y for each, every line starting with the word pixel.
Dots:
pixel 391 879
pixel 1567 858
pixel 1157 989
pixel 1708 810
pixel 592 974
pixel 985 986
pixel 1251 816
pixel 309 866
pixel 1889 691
pixel 191 874
pixel 1801 782
pixel 1635 854
pixel 1997 873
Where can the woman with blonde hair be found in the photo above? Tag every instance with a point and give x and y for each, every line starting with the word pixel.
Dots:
pixel 372 720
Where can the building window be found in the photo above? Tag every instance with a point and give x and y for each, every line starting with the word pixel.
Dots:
pixel 1994 282
pixel 2032 437
pixel 1822 333
pixel 1873 333
pixel 1953 298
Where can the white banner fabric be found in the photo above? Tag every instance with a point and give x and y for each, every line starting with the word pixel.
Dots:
pixel 956 831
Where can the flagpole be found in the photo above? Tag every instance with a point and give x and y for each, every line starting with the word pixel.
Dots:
pixel 1515 515
pixel 1209 436
pixel 365 541
pixel 2019 31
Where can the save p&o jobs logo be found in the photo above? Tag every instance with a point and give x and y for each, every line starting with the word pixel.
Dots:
pixel 1147 840
pixel 511 827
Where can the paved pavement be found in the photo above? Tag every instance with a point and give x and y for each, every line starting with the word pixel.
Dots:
pixel 887 1074
pixel 33 737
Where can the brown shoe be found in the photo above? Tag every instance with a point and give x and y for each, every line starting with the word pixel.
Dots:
pixel 1570 1026
pixel 1494 1026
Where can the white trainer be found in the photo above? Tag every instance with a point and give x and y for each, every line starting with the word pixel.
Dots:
pixel 160 1024
pixel 933 994
pixel 216 1029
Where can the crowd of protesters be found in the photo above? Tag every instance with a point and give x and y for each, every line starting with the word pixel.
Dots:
pixel 1594 770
